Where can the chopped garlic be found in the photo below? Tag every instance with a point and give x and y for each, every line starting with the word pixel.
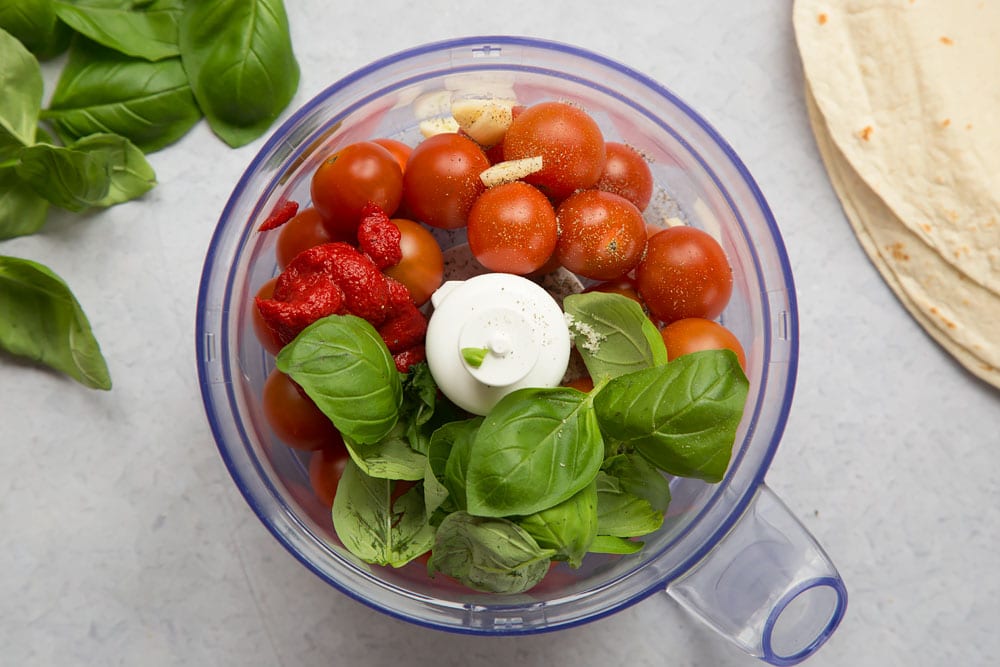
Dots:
pixel 510 171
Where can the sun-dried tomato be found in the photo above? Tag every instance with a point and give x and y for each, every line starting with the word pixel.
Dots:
pixel 378 237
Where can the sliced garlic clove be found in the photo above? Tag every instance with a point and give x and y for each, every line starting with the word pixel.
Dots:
pixel 431 126
pixel 484 120
pixel 510 171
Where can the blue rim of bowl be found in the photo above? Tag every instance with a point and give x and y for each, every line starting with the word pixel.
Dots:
pixel 792 314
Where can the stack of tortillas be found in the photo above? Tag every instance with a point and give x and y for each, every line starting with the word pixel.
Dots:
pixel 904 99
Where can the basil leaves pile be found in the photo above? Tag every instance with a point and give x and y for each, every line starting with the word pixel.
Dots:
pixel 549 474
pixel 138 76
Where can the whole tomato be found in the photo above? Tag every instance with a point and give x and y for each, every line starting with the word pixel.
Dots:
pixel 326 467
pixel 349 179
pixel 422 267
pixel 512 229
pixel 685 273
pixel 626 173
pixel 441 181
pixel 694 334
pixel 293 416
pixel 601 235
pixel 302 232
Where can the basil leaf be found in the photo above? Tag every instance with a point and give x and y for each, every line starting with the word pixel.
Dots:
pixel 535 449
pixel 622 514
pixel 34 24
pixel 131 175
pixel 21 83
pixel 568 528
pixel 488 554
pixel 459 436
pixel 423 409
pixel 373 527
pixel 345 368
pixel 608 544
pixel 103 91
pixel 435 493
pixel 389 458
pixel 149 32
pixel 238 56
pixel 613 335
pixel 68 178
pixel 683 416
pixel 22 211
pixel 41 320
pixel 638 477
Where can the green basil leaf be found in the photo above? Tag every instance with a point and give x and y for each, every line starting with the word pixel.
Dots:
pixel 683 416
pixel 68 178
pixel 389 458
pixel 131 175
pixel 149 32
pixel 345 368
pixel 458 438
pixel 373 527
pixel 622 514
pixel 22 211
pixel 34 24
pixel 41 320
pixel 103 91
pixel 613 335
pixel 568 528
pixel 608 544
pixel 423 409
pixel 436 494
pixel 638 477
pixel 21 83
pixel 535 449
pixel 488 554
pixel 238 56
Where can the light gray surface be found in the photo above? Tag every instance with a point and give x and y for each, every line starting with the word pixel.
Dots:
pixel 124 541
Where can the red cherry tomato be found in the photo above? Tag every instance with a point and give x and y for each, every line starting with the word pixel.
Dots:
pixel 624 286
pixel 512 229
pixel 422 266
pixel 569 141
pixel 626 173
pixel 293 416
pixel 302 232
pixel 584 384
pixel 441 181
pixel 350 178
pixel 326 467
pixel 601 235
pixel 268 339
pixel 694 334
pixel 684 273
pixel 399 150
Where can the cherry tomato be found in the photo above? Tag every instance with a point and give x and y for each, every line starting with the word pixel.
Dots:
pixel 441 181
pixel 694 334
pixel 684 273
pixel 326 467
pixel 624 286
pixel 293 416
pixel 627 174
pixel 422 266
pixel 601 235
pixel 302 232
pixel 268 339
pixel 569 141
pixel 584 384
pixel 399 150
pixel 350 178
pixel 512 228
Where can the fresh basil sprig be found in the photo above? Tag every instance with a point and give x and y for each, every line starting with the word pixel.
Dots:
pixel 149 31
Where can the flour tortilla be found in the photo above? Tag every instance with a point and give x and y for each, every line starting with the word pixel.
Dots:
pixel 910 92
pixel 962 316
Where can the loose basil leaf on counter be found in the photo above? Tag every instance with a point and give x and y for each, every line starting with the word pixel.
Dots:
pixel 613 335
pixel 682 417
pixel 66 177
pixel 488 554
pixel 148 32
pixel 101 90
pixel 535 449
pixel 389 458
pixel 131 175
pixel 608 544
pixel 22 211
pixel 239 59
pixel 345 368
pixel 622 514
pixel 41 320
pixel 21 83
pixel 568 528
pixel 372 526
pixel 638 477
pixel 34 24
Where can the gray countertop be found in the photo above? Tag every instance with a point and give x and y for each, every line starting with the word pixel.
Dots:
pixel 124 540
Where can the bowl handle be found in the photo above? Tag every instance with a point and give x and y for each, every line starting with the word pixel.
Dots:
pixel 767 586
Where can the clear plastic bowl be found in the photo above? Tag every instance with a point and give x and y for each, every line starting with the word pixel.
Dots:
pixel 730 552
